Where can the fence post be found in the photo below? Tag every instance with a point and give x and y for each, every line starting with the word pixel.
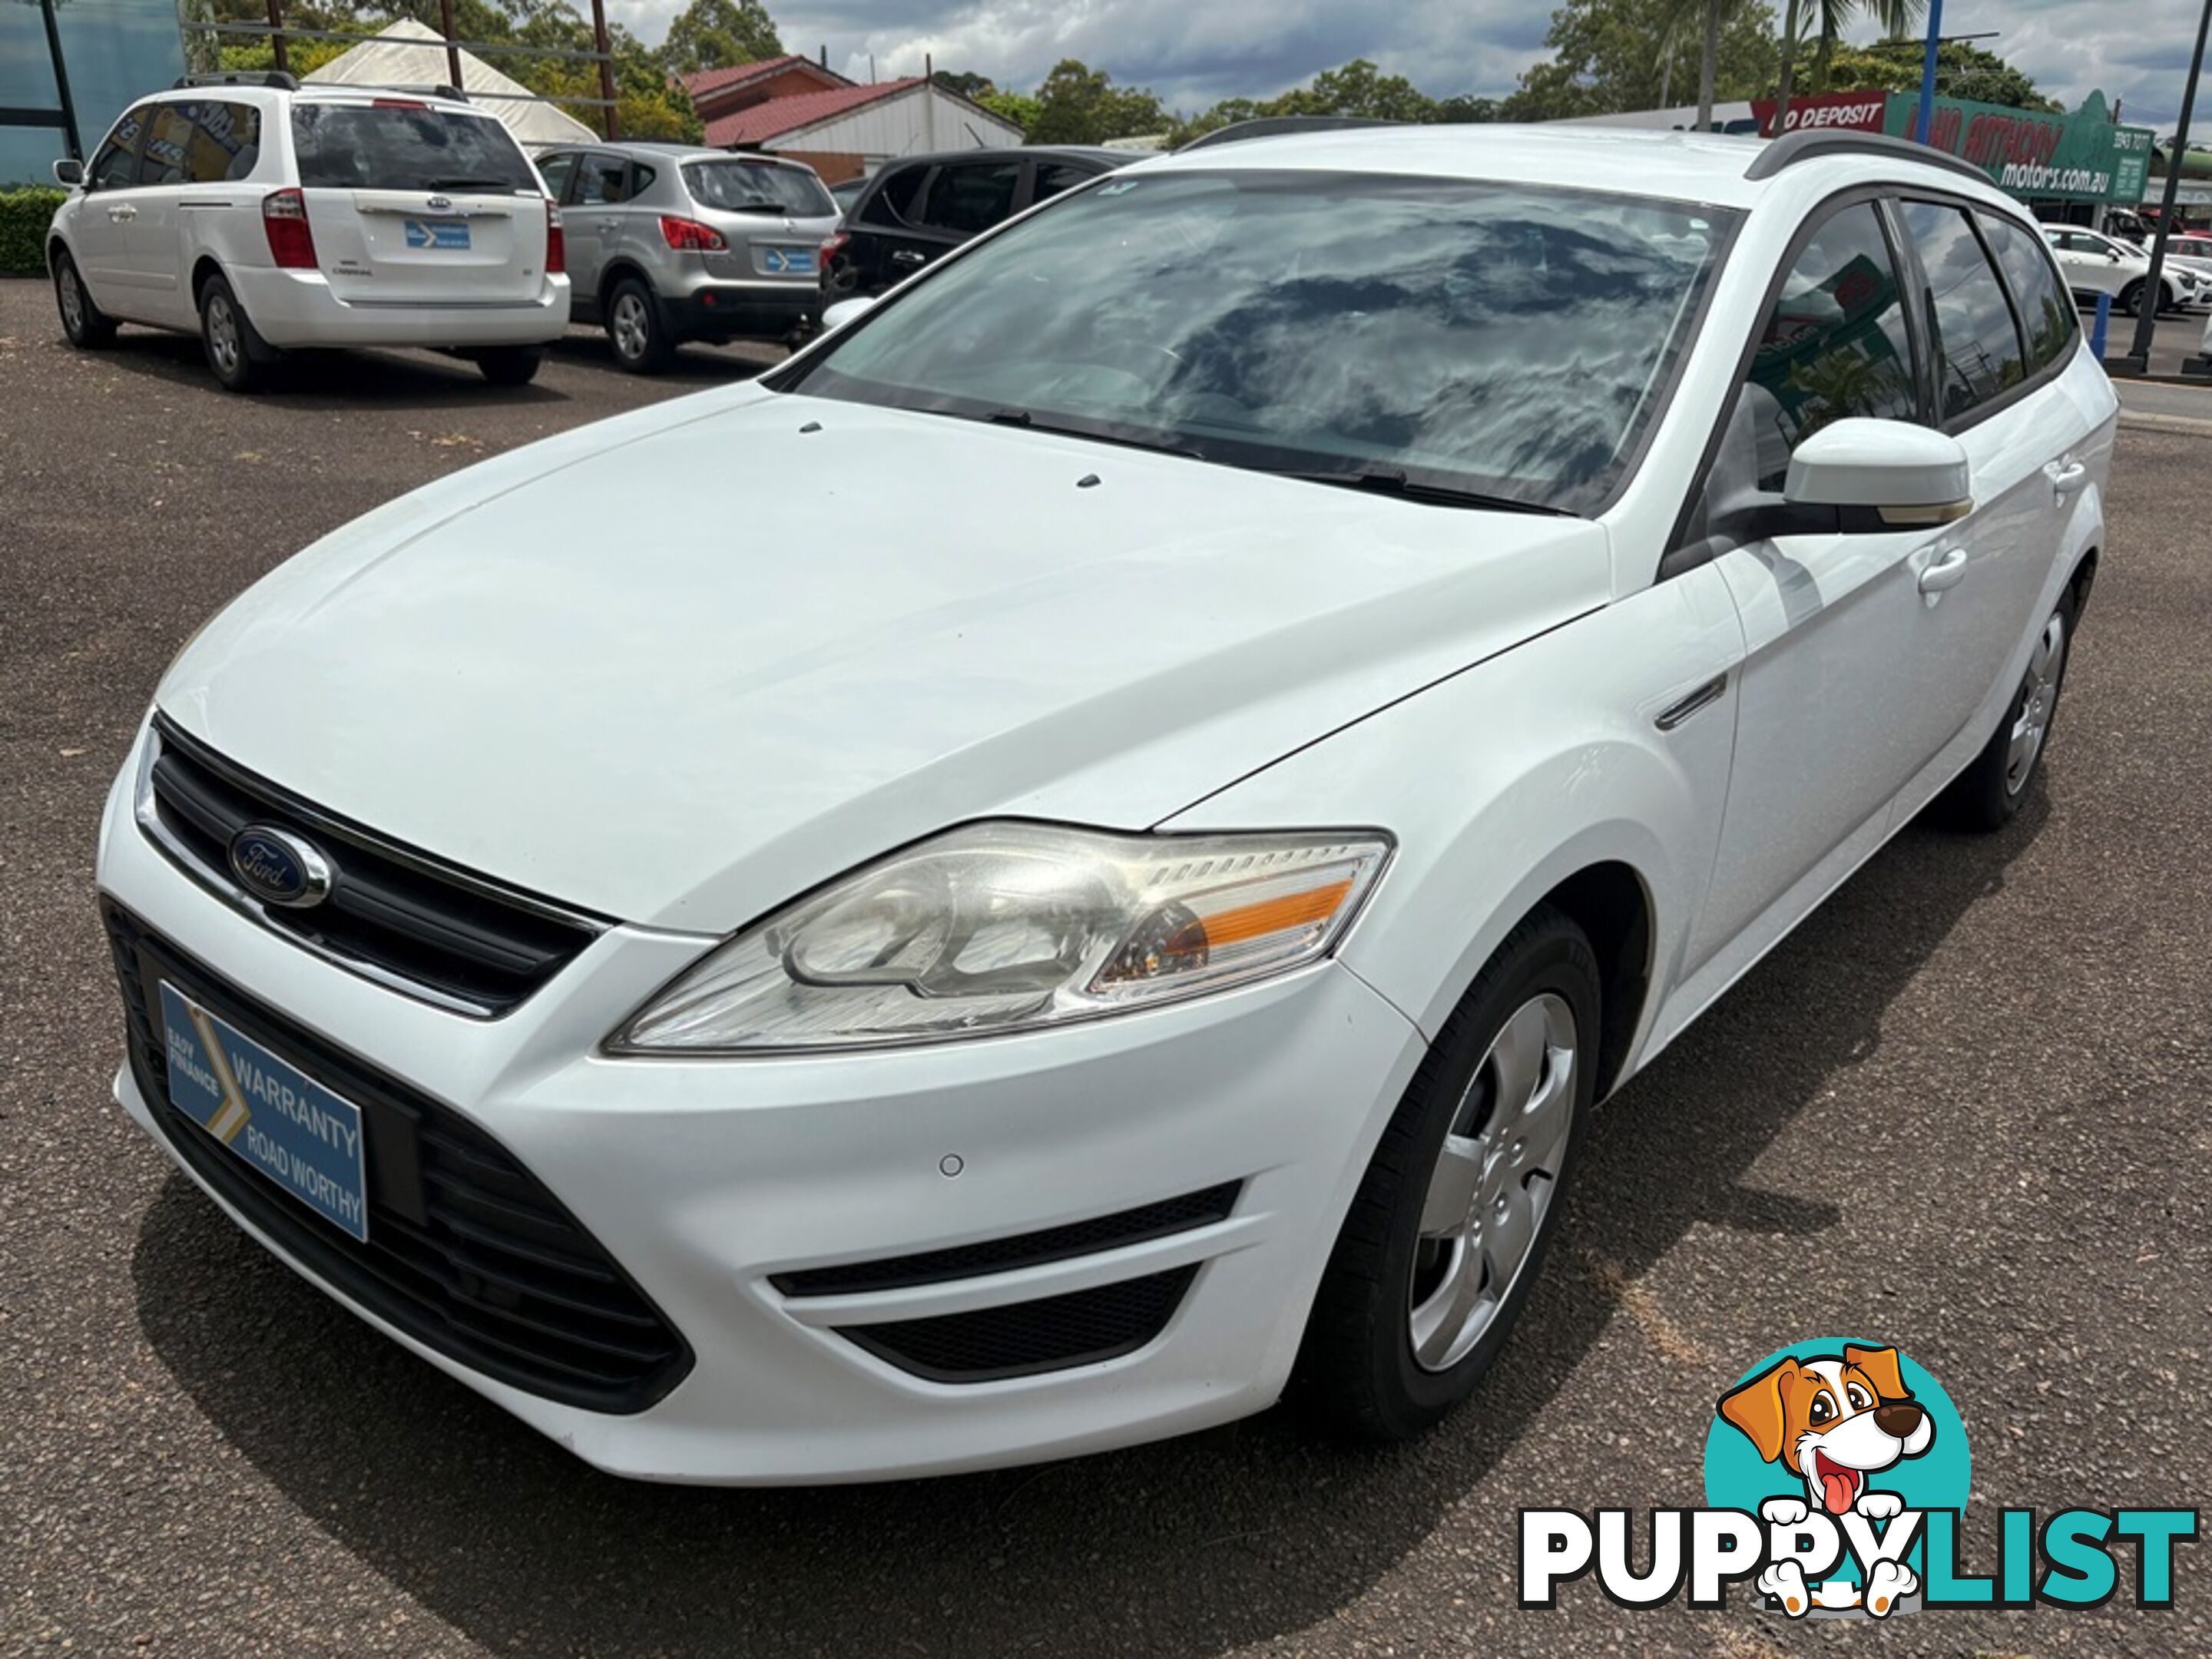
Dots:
pixel 606 70
pixel 275 39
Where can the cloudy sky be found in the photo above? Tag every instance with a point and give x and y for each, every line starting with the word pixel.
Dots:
pixel 1193 51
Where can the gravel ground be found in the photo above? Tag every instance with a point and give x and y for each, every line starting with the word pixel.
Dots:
pixel 1961 1110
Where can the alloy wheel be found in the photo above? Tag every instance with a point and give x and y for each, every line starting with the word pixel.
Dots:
pixel 631 327
pixel 72 300
pixel 2038 696
pixel 222 342
pixel 1494 1180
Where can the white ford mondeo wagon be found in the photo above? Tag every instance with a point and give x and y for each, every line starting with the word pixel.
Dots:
pixel 1328 653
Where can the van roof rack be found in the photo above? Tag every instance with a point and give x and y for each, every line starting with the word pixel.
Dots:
pixel 277 78
pixel 1808 146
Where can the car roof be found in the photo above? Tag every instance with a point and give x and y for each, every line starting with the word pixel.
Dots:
pixel 665 149
pixel 1723 170
pixel 1120 158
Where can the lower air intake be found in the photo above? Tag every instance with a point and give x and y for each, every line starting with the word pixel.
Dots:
pixel 1056 1333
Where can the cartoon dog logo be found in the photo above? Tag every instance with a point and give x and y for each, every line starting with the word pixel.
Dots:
pixel 1834 1421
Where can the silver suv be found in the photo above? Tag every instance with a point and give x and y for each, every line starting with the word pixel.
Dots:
pixel 669 243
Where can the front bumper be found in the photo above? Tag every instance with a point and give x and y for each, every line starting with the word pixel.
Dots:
pixel 297 309
pixel 704 1179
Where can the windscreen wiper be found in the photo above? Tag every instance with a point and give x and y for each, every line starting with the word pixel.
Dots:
pixel 1391 481
pixel 1029 423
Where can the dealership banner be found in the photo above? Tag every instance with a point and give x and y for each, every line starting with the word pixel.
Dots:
pixel 2081 157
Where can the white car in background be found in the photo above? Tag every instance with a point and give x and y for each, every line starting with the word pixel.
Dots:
pixel 1010 983
pixel 2096 264
pixel 263 216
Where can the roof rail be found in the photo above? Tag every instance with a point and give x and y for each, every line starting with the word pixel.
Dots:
pixel 1808 146
pixel 277 78
pixel 1278 126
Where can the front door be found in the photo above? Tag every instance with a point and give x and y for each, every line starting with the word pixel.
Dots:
pixel 1840 698
pixel 99 236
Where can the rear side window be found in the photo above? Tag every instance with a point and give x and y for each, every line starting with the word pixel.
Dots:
pixel 116 164
pixel 1053 177
pixel 971 197
pixel 2046 312
pixel 1977 348
pixel 600 181
pixel 200 144
pixel 894 203
pixel 401 145
pixel 1836 344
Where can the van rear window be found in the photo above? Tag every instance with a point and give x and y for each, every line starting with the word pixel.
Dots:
pixel 406 146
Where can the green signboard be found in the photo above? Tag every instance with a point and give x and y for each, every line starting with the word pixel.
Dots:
pixel 2081 157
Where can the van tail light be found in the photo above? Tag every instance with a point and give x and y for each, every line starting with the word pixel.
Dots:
pixel 689 236
pixel 291 239
pixel 556 243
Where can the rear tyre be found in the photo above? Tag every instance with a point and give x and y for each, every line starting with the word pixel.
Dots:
pixel 633 325
pixel 1985 796
pixel 1452 1220
pixel 510 365
pixel 88 326
pixel 239 357
pixel 2132 298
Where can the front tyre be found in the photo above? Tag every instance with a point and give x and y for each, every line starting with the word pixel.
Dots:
pixel 1449 1229
pixel 240 358
pixel 510 365
pixel 88 326
pixel 1985 796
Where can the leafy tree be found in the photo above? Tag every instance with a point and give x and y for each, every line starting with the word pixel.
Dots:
pixel 1016 107
pixel 966 84
pixel 1609 56
pixel 1963 69
pixel 1821 23
pixel 710 35
pixel 1079 105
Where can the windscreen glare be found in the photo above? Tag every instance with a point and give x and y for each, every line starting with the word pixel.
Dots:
pixel 1505 340
pixel 758 188
pixel 398 145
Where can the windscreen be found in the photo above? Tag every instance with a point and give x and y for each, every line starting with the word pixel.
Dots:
pixel 399 145
pixel 758 187
pixel 1507 340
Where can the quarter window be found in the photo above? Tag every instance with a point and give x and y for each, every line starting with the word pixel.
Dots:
pixel 971 197
pixel 2045 311
pixel 1977 348
pixel 893 203
pixel 1836 344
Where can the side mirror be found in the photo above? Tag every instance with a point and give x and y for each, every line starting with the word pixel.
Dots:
pixel 1878 476
pixel 2112 255
pixel 68 174
pixel 846 311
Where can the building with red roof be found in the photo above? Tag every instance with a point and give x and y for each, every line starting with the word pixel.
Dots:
pixel 793 106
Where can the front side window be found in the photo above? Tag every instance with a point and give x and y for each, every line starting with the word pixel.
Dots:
pixel 1977 348
pixel 397 143
pixel 556 170
pixel 1836 344
pixel 2045 311
pixel 738 187
pixel 116 164
pixel 970 196
pixel 1492 340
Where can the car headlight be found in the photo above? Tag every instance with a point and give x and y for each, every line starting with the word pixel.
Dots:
pixel 1010 927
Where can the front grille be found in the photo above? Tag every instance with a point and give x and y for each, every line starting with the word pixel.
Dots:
pixel 1053 1333
pixel 995 1256
pixel 467 1252
pixel 398 914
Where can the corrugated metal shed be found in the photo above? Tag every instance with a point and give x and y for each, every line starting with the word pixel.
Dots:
pixel 917 118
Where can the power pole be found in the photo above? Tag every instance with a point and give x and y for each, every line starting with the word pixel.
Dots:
pixel 2137 362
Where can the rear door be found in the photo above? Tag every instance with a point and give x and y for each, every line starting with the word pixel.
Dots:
pixel 961 199
pixel 593 218
pixel 191 174
pixel 2089 262
pixel 887 242
pixel 417 203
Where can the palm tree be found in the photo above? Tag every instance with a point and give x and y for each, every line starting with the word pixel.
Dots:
pixel 1823 21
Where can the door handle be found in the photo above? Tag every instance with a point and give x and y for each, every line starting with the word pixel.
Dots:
pixel 1945 573
pixel 121 211
pixel 906 256
pixel 2067 476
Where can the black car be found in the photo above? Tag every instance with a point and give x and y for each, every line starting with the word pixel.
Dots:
pixel 920 207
